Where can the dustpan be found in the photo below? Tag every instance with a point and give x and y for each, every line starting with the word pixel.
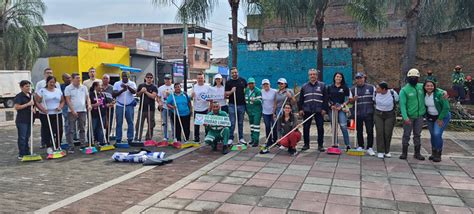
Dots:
pixel 150 143
pixel 32 156
pixel 334 150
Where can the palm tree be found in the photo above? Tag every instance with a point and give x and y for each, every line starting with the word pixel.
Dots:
pixel 21 36
pixel 234 5
pixel 420 17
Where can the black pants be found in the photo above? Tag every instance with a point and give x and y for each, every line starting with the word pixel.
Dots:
pixel 56 126
pixel 319 124
pixel 225 108
pixel 185 120
pixel 368 120
pixel 196 127
pixel 150 125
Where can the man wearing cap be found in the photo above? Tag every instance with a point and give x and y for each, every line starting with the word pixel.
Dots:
pixel 163 92
pixel 123 93
pixel 364 94
pixel 268 110
pixel 458 83
pixel 313 100
pixel 253 100
pixel 430 76
pixel 236 86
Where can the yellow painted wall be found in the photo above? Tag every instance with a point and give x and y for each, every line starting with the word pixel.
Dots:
pixel 91 55
pixel 63 64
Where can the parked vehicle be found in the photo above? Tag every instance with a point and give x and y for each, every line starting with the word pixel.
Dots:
pixel 9 81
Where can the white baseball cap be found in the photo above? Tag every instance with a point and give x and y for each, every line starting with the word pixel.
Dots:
pixel 218 76
pixel 265 81
pixel 282 80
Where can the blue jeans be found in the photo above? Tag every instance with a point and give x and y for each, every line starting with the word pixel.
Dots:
pixel 240 118
pixel 168 116
pixel 343 125
pixel 268 121
pixel 436 132
pixel 97 129
pixel 24 130
pixel 119 119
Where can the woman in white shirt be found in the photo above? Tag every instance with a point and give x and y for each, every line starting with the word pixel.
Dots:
pixel 384 117
pixel 219 88
pixel 50 102
pixel 268 110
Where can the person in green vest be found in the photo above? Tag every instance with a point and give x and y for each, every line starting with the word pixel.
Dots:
pixel 430 76
pixel 458 79
pixel 217 133
pixel 253 101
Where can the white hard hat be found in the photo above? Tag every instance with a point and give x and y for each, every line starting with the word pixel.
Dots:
pixel 413 73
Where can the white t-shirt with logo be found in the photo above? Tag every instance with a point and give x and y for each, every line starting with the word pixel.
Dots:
pixel 127 95
pixel 162 93
pixel 78 97
pixel 200 91
pixel 268 101
pixel 51 99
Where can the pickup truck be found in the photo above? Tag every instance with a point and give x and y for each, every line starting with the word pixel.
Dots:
pixel 9 85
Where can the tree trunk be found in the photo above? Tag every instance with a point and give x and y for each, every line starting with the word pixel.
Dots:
pixel 409 55
pixel 234 4
pixel 319 60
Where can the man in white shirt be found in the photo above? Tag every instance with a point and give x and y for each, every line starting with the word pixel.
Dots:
pixel 201 105
pixel 163 92
pixel 123 93
pixel 42 84
pixel 77 99
pixel 88 83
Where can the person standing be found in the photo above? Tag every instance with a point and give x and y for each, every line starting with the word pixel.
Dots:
pixel 163 92
pixel 287 123
pixel 67 81
pixel 253 100
pixel 438 117
pixel 180 104
pixel 39 85
pixel 50 102
pixel 284 93
pixel 219 88
pixel 385 118
pixel 108 90
pixel 338 97
pixel 123 94
pixel 217 133
pixel 469 85
pixel 99 105
pixel 201 105
pixel 313 100
pixel 77 98
pixel 269 117
pixel 23 105
pixel 149 91
pixel 365 112
pixel 236 86
pixel 92 79
pixel 430 76
pixel 458 80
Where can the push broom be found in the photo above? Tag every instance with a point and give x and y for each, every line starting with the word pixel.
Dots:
pixel 32 156
pixel 90 149
pixel 353 151
pixel 138 142
pixel 334 150
pixel 57 153
pixel 123 145
pixel 186 144
pixel 107 145
pixel 149 142
pixel 110 125
pixel 239 146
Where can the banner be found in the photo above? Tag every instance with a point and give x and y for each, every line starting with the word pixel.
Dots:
pixel 213 120
pixel 212 94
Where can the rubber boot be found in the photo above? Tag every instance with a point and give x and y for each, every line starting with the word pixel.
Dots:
pixel 433 154
pixel 305 147
pixel 214 146
pixel 225 149
pixel 437 158
pixel 403 156
pixel 418 155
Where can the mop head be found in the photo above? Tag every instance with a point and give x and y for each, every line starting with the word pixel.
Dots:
pixel 190 144
pixel 33 157
pixel 176 145
pixel 89 150
pixel 57 154
pixel 137 144
pixel 334 150
pixel 163 144
pixel 107 147
pixel 122 145
pixel 355 152
pixel 239 147
pixel 150 143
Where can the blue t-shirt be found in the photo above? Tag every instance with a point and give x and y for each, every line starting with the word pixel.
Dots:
pixel 182 103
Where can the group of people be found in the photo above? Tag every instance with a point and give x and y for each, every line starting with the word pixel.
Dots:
pixel 367 104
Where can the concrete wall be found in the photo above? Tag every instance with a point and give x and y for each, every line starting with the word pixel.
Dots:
pixel 147 64
pixel 38 69
pixel 61 45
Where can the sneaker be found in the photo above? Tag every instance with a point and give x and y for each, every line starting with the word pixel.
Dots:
pixel 71 150
pixel 305 147
pixel 242 141
pixel 49 150
pixel 165 139
pixel 388 155
pixel 348 148
pixel 282 148
pixel 380 155
pixel 230 142
pixel 321 149
pixel 360 148
pixel 20 157
pixel 371 152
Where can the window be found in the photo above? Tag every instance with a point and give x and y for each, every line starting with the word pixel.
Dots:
pixel 118 35
pixel 205 56
pixel 196 55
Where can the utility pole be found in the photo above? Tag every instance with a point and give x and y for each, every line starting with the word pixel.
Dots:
pixel 185 56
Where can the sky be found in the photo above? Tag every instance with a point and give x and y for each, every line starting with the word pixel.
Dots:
pixel 89 13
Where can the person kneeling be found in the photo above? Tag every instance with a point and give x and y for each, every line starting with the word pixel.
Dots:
pixel 286 124
pixel 217 133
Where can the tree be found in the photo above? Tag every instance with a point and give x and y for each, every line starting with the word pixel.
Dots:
pixel 21 36
pixel 234 5
pixel 421 17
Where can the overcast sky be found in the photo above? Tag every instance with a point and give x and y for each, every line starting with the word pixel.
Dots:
pixel 88 13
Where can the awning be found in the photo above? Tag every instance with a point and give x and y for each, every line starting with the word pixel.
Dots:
pixel 123 67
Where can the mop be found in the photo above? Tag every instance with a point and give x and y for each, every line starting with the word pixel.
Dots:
pixel 138 142
pixel 239 146
pixel 32 156
pixel 58 152
pixel 334 150
pixel 186 144
pixel 123 145
pixel 150 142
pixel 90 149
pixel 352 151
pixel 107 145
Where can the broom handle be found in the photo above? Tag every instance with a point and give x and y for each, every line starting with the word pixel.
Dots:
pixel 278 117
pixel 123 115
pixel 100 117
pixel 57 131
pixel 108 125
pixel 49 122
pixel 31 131
pixel 148 122
pixel 140 118
pixel 296 127
pixel 179 118
pixel 91 130
pixel 236 116
pixel 355 118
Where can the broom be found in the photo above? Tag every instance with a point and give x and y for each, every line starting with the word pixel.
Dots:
pixel 186 144
pixel 137 142
pixel 56 153
pixel 170 140
pixel 150 142
pixel 352 151
pixel 32 156
pixel 107 146
pixel 110 125
pixel 239 146
pixel 123 145
pixel 334 150
pixel 90 149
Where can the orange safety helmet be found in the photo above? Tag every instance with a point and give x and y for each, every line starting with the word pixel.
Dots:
pixel 468 77
pixel 458 67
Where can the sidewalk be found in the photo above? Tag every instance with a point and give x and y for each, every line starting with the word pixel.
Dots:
pixel 248 182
